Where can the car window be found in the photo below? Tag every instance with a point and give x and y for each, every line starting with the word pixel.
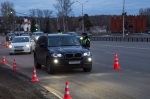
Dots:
pixel 62 41
pixel 38 34
pixel 20 40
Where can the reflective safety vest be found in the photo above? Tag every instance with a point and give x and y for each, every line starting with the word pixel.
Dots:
pixel 85 40
pixel 59 32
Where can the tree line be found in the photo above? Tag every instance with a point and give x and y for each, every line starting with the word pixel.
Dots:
pixel 65 19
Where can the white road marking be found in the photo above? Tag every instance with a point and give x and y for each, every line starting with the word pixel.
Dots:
pixel 111 53
pixel 147 74
pixel 128 70
pixel 137 72
pixel 3 49
pixel 127 47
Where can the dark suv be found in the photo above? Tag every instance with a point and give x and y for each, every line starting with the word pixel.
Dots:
pixel 61 51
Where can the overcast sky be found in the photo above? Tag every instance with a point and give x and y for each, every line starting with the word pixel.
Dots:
pixel 92 7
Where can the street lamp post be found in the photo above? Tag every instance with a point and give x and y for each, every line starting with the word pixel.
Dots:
pixel 123 13
pixel 82 15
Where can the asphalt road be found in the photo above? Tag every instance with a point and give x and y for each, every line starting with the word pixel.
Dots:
pixel 103 82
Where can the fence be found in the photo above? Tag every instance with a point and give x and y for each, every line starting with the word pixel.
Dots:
pixel 125 39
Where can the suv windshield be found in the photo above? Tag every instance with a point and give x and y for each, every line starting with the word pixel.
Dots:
pixel 62 41
pixel 20 39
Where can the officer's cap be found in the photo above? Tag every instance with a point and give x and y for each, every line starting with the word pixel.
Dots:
pixel 84 34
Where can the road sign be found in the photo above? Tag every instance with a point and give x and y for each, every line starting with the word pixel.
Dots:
pixel 36 25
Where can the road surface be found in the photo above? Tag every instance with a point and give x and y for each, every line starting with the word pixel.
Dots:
pixel 103 82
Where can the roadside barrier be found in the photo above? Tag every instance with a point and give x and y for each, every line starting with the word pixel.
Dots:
pixel 125 39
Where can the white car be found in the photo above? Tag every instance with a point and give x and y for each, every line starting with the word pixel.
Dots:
pixel 22 44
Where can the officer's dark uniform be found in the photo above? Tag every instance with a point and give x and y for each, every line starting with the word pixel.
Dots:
pixel 85 41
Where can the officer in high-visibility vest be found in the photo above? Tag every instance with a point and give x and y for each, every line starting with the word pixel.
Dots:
pixel 59 32
pixel 85 41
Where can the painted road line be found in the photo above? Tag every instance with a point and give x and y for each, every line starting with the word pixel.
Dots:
pixel 127 47
pixel 137 72
pixel 111 53
pixel 147 74
pixel 3 49
pixel 128 70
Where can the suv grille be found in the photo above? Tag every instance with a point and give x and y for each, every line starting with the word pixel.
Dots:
pixel 73 55
pixel 18 46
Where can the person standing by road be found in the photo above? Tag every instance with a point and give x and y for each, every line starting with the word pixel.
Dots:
pixel 59 32
pixel 85 41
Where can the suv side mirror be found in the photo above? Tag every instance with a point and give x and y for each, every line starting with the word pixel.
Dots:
pixel 43 45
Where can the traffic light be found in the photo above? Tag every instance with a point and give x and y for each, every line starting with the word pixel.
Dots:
pixel 11 11
pixel 36 29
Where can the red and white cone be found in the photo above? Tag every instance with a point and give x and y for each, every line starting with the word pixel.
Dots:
pixel 14 65
pixel 67 94
pixel 3 60
pixel 34 78
pixel 116 62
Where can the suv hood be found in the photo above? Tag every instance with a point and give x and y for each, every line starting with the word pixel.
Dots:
pixel 68 49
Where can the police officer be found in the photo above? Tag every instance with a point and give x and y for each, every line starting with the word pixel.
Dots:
pixel 59 32
pixel 85 41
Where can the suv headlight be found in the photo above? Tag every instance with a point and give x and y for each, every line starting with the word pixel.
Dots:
pixel 56 55
pixel 87 54
pixel 81 38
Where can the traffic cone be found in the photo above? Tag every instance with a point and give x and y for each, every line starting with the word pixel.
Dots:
pixel 116 62
pixel 7 45
pixel 14 65
pixel 4 43
pixel 34 78
pixel 3 60
pixel 67 94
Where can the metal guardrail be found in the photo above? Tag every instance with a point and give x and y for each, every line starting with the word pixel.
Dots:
pixel 125 39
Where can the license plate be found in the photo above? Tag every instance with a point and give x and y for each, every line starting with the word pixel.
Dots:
pixel 18 49
pixel 74 62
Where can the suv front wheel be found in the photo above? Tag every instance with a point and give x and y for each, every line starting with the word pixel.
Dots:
pixel 49 67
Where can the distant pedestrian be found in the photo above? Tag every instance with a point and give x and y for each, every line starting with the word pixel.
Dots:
pixel 59 32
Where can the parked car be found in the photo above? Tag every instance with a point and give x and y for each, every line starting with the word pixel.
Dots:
pixel 75 34
pixel 36 35
pixel 61 51
pixel 22 44
pixel 10 36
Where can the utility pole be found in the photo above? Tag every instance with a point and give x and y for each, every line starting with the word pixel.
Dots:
pixel 82 15
pixel 123 13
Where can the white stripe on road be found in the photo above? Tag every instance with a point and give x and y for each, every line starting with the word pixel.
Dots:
pixel 147 74
pixel 111 53
pixel 128 47
pixel 3 49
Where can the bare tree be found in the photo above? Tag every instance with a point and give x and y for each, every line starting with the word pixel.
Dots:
pixel 8 17
pixel 64 9
pixel 32 12
pixel 47 13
